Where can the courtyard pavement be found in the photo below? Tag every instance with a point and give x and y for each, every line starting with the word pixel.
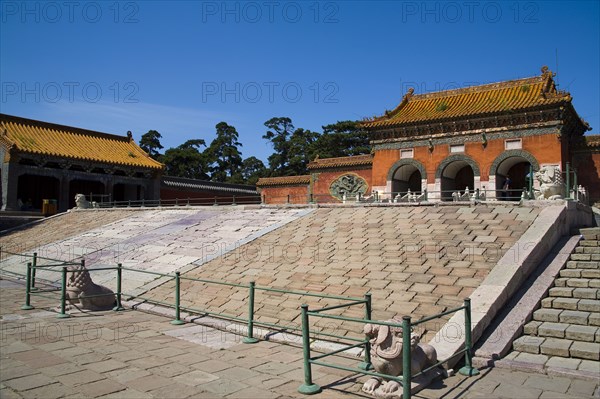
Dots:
pixel 131 354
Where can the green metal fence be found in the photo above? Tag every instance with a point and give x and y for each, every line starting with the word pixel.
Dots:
pixel 309 387
pixel 250 319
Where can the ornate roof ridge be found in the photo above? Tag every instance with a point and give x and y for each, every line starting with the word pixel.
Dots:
pixel 55 126
pixel 351 160
pixel 283 180
pixel 548 91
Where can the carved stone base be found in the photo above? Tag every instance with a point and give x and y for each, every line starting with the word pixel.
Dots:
pixel 419 383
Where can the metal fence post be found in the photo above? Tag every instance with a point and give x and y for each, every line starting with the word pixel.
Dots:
pixel 468 368
pixel 27 305
pixel 366 363
pixel 33 269
pixel 530 182
pixel 406 369
pixel 249 339
pixel 63 295
pixel 308 388
pixel 118 306
pixel 177 321
pixel 568 193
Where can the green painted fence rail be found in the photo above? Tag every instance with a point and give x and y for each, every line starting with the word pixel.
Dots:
pixel 310 388
pixel 250 320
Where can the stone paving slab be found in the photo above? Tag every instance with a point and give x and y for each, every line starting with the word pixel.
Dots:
pixel 265 369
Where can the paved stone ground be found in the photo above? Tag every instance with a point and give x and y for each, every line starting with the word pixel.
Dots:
pixel 416 261
pixel 131 354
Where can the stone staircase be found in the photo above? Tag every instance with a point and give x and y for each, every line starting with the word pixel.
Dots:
pixel 565 331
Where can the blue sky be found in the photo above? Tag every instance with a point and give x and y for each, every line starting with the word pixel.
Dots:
pixel 182 67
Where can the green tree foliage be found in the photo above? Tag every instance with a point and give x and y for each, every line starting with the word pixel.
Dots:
pixel 186 160
pixel 341 139
pixel 224 157
pixel 150 142
pixel 293 148
pixel 252 170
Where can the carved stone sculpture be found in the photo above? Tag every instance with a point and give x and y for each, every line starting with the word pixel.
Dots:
pixel 82 291
pixel 349 184
pixel 81 202
pixel 386 357
pixel 551 184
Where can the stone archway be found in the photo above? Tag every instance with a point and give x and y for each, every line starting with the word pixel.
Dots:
pixel 456 173
pixel 406 174
pixel 513 164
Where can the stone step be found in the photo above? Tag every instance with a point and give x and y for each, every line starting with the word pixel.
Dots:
pixel 577 282
pixel 573 332
pixel 574 264
pixel 587 250
pixel 592 233
pixel 585 257
pixel 567 316
pixel 557 347
pixel 580 273
pixel 589 243
pixel 570 292
pixel 585 305
pixel 558 362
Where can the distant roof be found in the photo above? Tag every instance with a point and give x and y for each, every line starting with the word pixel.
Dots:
pixel 43 138
pixel 484 100
pixel 283 181
pixel 356 160
pixel 205 185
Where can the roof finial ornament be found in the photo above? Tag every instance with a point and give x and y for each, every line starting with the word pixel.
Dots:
pixel 547 73
pixel 129 135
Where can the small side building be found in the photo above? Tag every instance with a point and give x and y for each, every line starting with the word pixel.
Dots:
pixel 46 161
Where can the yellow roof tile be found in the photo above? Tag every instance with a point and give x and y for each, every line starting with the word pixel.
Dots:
pixel 42 138
pixel 488 99
pixel 356 160
pixel 283 181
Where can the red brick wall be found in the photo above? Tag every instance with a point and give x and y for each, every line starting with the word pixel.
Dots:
pixel 588 173
pixel 279 194
pixel 545 148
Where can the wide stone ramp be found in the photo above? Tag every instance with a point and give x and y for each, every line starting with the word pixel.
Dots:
pixel 415 260
pixel 159 240
pixel 59 227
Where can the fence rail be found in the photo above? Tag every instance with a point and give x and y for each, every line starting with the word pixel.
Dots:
pixel 310 388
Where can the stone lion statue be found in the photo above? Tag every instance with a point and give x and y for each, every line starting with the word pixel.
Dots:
pixel 386 357
pixel 551 184
pixel 81 202
pixel 82 291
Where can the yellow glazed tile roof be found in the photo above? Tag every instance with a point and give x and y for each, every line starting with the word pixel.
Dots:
pixel 356 160
pixel 41 138
pixel 488 99
pixel 283 181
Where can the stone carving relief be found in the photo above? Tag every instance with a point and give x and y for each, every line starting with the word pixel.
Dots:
pixel 349 185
